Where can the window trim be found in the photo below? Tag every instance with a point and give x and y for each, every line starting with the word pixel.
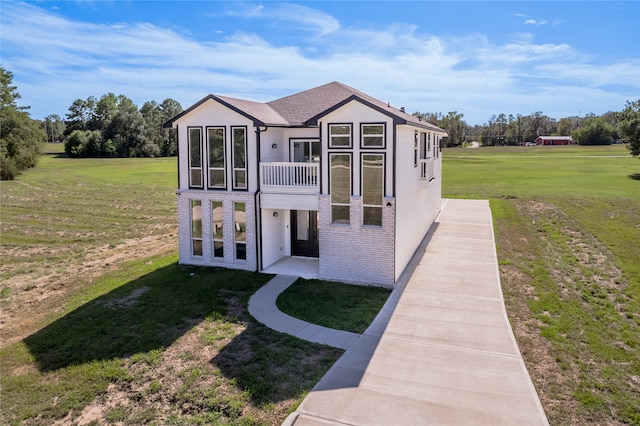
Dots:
pixel 415 148
pixel 214 239
pixel 383 135
pixel 190 166
pixel 330 136
pixel 233 160
pixel 331 202
pixel 224 157
pixel 235 240
pixel 383 186
pixel 193 238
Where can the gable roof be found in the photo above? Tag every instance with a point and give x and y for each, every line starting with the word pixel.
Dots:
pixel 307 107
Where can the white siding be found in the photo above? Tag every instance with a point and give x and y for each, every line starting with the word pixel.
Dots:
pixel 275 236
pixel 418 203
pixel 214 114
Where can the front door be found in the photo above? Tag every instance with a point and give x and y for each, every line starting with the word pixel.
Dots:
pixel 304 233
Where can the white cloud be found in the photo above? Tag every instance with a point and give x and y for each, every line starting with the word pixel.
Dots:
pixel 57 60
pixel 534 22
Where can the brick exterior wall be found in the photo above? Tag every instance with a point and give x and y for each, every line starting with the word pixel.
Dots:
pixel 228 199
pixel 357 253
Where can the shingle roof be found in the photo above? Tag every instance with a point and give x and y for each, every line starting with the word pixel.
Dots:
pixel 304 108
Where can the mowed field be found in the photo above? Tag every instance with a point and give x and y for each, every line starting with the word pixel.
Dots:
pixel 101 326
pixel 567 223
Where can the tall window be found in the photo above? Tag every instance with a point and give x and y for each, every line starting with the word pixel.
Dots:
pixel 415 149
pixel 196 227
pixel 217 229
pixel 424 153
pixel 195 157
pixel 340 135
pixel 240 218
pixel 372 188
pixel 215 145
pixel 372 136
pixel 340 187
pixel 239 157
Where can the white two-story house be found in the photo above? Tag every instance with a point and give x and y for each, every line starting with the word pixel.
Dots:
pixel 329 174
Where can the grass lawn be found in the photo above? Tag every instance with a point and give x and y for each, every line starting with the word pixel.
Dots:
pixel 100 325
pixel 335 305
pixel 567 222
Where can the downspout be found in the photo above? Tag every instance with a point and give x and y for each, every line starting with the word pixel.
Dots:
pixel 257 200
pixel 395 213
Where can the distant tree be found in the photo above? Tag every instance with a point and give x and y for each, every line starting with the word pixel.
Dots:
pixel 81 115
pixel 629 126
pixel 106 108
pixel 85 143
pixel 595 131
pixel 170 108
pixel 21 138
pixel 54 127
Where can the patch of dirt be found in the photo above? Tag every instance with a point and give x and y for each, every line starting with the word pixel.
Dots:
pixel 40 291
pixel 129 300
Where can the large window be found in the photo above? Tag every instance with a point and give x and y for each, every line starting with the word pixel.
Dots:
pixel 240 218
pixel 340 135
pixel 415 149
pixel 239 157
pixel 340 180
pixel 196 227
pixel 215 145
pixel 424 152
pixel 195 157
pixel 217 229
pixel 372 188
pixel 372 136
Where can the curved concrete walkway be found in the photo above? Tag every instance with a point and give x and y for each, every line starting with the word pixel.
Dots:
pixel 441 351
pixel 262 306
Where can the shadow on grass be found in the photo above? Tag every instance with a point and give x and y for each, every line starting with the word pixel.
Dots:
pixel 273 366
pixel 148 313
pixel 634 176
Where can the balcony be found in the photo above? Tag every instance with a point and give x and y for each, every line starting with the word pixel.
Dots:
pixel 427 169
pixel 289 178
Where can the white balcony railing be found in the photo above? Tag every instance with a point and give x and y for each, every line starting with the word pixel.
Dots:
pixel 289 178
pixel 427 169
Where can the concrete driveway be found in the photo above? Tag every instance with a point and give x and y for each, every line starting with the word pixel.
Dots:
pixel 442 351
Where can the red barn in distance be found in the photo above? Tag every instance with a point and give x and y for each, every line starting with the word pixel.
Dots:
pixel 553 140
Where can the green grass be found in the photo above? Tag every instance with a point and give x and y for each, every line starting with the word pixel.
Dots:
pixel 120 330
pixel 573 171
pixel 568 238
pixel 334 305
pixel 176 341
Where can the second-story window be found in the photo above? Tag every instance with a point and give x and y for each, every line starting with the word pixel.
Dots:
pixel 340 181
pixel 339 135
pixel 195 157
pixel 372 136
pixel 239 157
pixel 424 151
pixel 215 146
pixel 372 188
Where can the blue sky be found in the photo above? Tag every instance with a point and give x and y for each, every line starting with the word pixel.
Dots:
pixel 475 57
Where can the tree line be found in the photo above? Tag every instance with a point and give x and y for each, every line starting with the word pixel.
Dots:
pixel 21 137
pixel 519 129
pixel 113 126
